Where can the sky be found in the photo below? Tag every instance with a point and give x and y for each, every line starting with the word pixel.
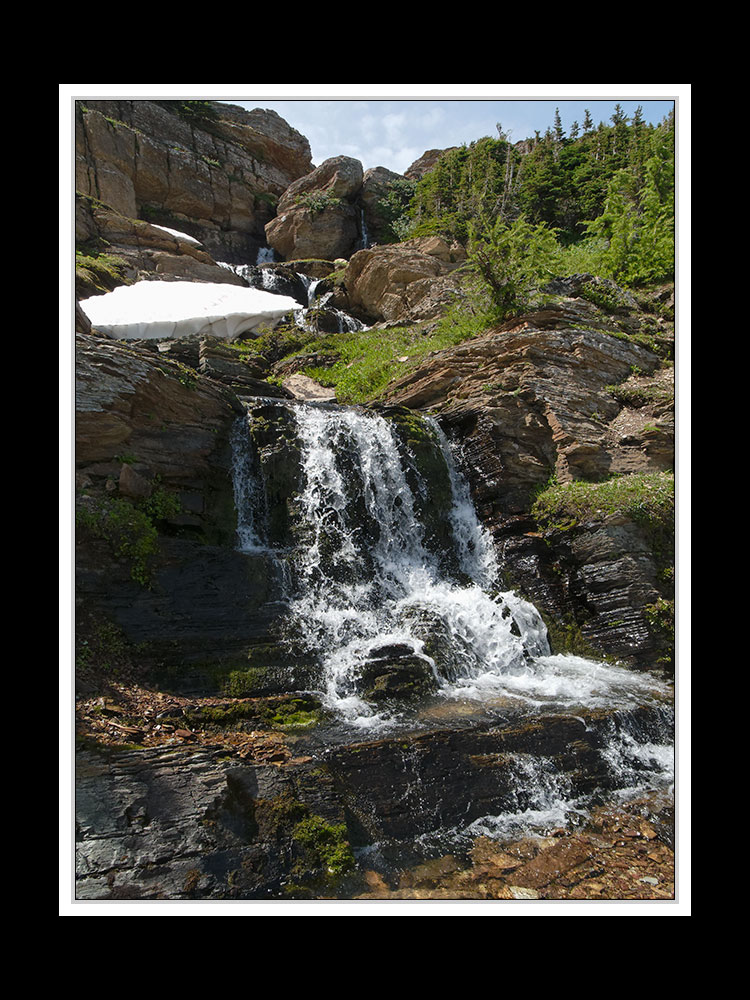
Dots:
pixel 392 125
pixel 394 133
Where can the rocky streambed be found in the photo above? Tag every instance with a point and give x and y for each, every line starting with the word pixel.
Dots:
pixel 270 799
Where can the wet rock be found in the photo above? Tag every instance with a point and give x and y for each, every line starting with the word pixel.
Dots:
pixel 396 672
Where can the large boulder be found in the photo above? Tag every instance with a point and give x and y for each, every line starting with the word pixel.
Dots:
pixel 425 163
pixel 316 216
pixel 403 281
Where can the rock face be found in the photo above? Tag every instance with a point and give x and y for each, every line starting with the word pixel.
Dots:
pixel 198 822
pixel 425 163
pixel 214 171
pixel 136 250
pixel 156 522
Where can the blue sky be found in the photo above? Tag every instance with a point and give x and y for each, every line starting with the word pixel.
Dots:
pixel 394 133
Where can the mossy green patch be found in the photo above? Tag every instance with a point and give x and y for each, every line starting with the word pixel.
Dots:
pixel 647 498
pixel 326 845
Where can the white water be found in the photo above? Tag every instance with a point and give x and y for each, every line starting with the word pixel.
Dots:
pixel 366 579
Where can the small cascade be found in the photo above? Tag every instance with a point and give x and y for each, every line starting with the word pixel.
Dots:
pixel 266 255
pixel 315 315
pixel 363 230
pixel 248 490
pixel 309 319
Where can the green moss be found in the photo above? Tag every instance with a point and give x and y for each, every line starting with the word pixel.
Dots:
pixel 661 619
pixel 245 683
pixel 98 271
pixel 130 532
pixel 326 845
pixel 567 637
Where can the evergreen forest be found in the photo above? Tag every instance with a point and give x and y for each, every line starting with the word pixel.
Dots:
pixel 599 199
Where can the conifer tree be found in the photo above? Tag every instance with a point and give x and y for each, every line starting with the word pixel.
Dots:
pixel 559 131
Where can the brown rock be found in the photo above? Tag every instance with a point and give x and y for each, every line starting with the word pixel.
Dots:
pixel 389 283
pixel 221 171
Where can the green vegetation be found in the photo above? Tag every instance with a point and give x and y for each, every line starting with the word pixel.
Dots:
pixel 367 360
pixel 325 844
pixel 647 498
pixel 318 201
pixel 130 527
pixel 661 618
pixel 507 262
pixel 644 395
pixel 195 112
pixel 604 194
pixel 99 271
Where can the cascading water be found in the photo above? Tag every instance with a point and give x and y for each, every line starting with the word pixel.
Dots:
pixel 248 490
pixel 370 584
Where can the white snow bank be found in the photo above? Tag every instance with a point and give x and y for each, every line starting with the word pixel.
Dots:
pixel 156 310
pixel 176 232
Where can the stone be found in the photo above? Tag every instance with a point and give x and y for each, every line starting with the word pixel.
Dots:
pixel 302 387
pixel 390 283
pixel 316 216
pixel 220 173
pixel 422 166
pixel 132 484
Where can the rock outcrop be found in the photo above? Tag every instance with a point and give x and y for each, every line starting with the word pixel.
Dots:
pixel 425 163
pixel 116 249
pixel 210 169
pixel 316 216
pixel 155 513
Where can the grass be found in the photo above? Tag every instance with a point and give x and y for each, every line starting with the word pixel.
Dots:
pixel 368 360
pixel 645 497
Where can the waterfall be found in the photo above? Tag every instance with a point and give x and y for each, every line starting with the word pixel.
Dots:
pixel 372 589
pixel 266 255
pixel 248 490
pixel 363 229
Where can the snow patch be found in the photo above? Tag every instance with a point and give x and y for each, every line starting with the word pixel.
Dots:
pixel 156 310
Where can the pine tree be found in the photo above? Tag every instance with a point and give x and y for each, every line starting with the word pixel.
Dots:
pixel 559 131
